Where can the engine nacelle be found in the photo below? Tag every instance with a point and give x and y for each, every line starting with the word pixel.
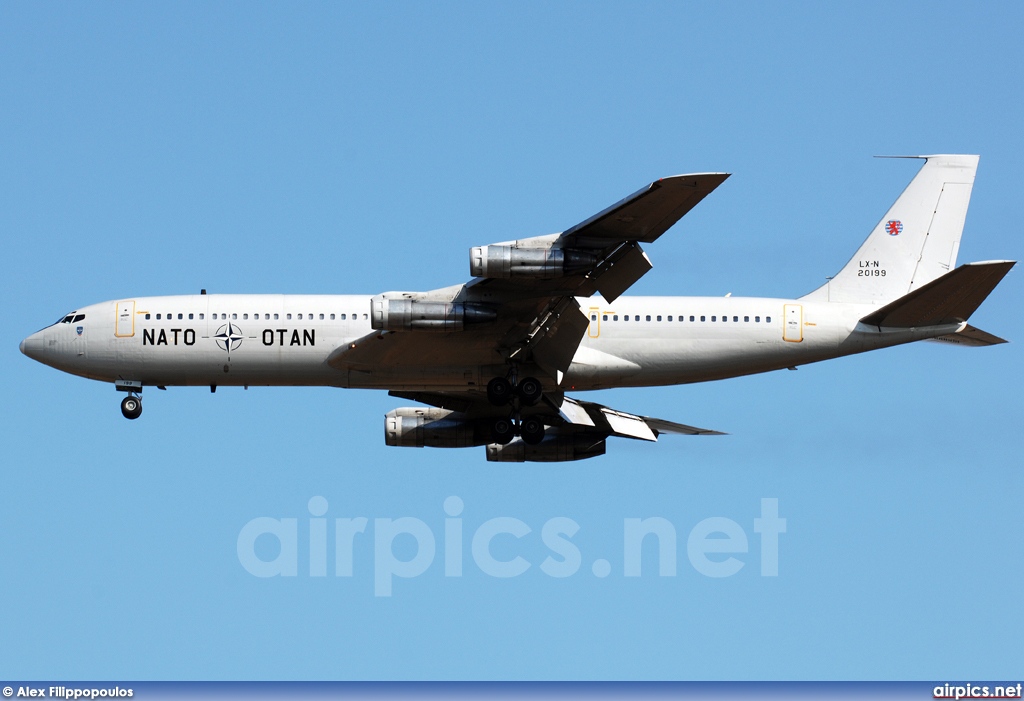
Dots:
pixel 513 261
pixel 405 313
pixel 553 448
pixel 416 427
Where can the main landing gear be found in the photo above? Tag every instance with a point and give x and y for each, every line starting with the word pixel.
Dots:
pixel 131 406
pixel 526 392
pixel 501 391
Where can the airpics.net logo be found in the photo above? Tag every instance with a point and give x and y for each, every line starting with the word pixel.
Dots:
pixel 715 547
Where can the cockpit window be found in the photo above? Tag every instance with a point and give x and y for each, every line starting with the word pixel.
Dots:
pixel 70 319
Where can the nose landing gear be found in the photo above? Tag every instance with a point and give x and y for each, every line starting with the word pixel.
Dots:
pixel 131 407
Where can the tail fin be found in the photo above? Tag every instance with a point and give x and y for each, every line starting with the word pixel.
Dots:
pixel 915 242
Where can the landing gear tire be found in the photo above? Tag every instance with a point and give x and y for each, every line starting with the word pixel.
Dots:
pixel 499 391
pixel 532 431
pixel 131 407
pixel 503 431
pixel 529 390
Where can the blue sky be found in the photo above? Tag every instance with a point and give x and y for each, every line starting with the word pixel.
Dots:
pixel 343 148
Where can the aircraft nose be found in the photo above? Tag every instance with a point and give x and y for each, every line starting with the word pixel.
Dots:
pixel 32 346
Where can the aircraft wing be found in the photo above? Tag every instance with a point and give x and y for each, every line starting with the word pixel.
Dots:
pixel 520 306
pixel 619 423
pixel 647 213
pixel 612 238
pixel 565 416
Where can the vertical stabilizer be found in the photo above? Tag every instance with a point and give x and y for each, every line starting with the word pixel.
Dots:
pixel 915 242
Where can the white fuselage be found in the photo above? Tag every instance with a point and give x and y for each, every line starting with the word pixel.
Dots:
pixel 286 340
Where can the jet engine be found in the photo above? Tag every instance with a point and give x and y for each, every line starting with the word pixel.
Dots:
pixel 500 261
pixel 416 427
pixel 405 313
pixel 553 448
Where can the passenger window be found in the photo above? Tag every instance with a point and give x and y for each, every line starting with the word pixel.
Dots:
pixel 234 316
pixel 343 317
pixel 593 317
pixel 625 317
pixel 322 316
pixel 332 317
pixel 366 316
pixel 604 318
pixel 746 318
pixel 147 316
pixel 767 320
pixel 757 319
pixel 735 318
pixel 289 316
pixel 245 316
pixel 181 316
pixel 648 317
pixel 659 317
pixel 691 318
pixel 725 318
pixel 670 317
pixel 615 318
pixel 275 316
pixel 714 318
pixel 202 315
pixel 157 316
pixel 191 316
pixel 702 318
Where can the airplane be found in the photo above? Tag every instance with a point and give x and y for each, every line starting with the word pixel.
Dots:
pixel 492 359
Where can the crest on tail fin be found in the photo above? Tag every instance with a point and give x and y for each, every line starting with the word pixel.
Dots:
pixel 915 242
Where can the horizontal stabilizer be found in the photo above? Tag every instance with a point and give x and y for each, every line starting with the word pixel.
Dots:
pixel 949 299
pixel 970 336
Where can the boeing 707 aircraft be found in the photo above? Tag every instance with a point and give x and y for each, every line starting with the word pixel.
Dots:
pixel 492 359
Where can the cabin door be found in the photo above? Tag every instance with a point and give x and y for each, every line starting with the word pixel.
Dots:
pixel 793 318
